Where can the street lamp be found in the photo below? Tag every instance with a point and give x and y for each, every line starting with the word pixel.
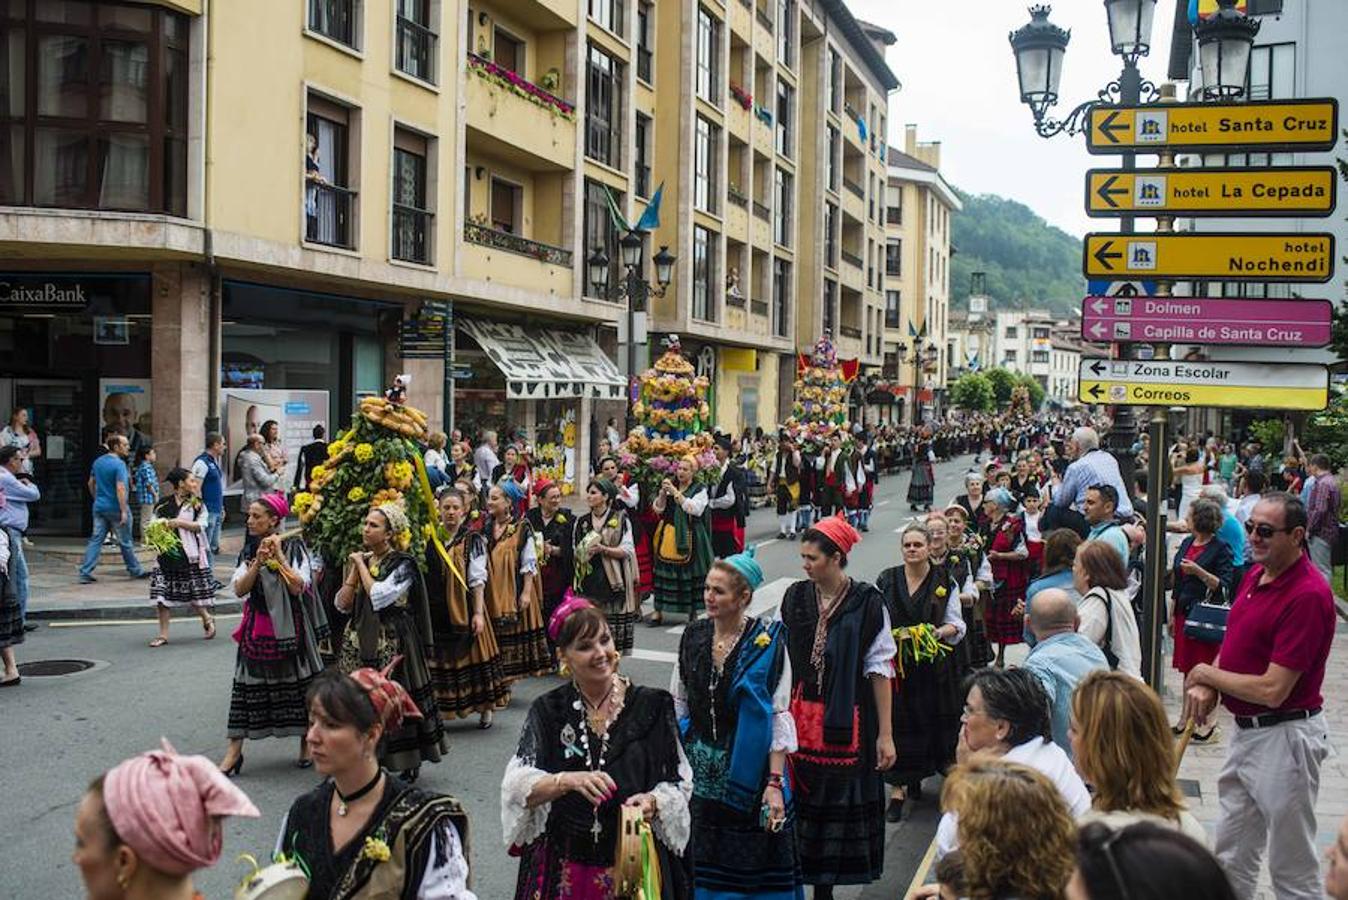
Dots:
pixel 922 358
pixel 1224 43
pixel 1130 27
pixel 1040 47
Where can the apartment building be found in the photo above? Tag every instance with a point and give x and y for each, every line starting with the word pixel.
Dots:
pixel 917 252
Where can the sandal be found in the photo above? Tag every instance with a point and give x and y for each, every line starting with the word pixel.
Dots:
pixel 208 626
pixel 487 719
pixel 159 642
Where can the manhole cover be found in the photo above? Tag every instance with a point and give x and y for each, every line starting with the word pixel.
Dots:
pixel 47 668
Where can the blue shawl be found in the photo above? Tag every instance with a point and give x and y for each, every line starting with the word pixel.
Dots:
pixel 751 693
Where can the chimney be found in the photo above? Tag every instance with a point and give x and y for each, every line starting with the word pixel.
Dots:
pixel 910 139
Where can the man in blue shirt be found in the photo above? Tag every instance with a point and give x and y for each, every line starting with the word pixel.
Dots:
pixel 1101 502
pixel 1061 657
pixel 14 519
pixel 206 468
pixel 1090 465
pixel 109 483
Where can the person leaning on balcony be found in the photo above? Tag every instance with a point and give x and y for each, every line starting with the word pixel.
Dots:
pixel 313 177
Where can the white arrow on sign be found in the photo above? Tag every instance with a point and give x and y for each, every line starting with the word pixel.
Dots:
pixel 1098 329
pixel 1100 305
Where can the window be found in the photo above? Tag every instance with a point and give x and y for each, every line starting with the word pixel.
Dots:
pixel 870 196
pixel 831 162
pixel 708 57
pixel 786 34
pixel 416 40
pixel 506 206
pixel 1272 74
pixel 784 119
pixel 1039 356
pixel 830 234
pixel 609 13
pixel 830 311
pixel 603 109
pixel 781 290
pixel 338 20
pixel 600 234
pixel 705 155
pixel 92 119
pixel 892 309
pixel 645 41
pixel 1010 357
pixel 835 99
pixel 1264 7
pixel 704 267
pixel 508 51
pixel 329 203
pixel 1039 334
pixel 894 216
pixel 411 217
pixel 781 228
pixel 894 257
pixel 643 151
pixel 1011 332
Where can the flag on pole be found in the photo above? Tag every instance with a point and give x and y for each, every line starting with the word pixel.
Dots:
pixel 650 217
pixel 912 332
pixel 619 220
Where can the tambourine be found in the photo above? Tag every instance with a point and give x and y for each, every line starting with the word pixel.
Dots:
pixel 627 868
pixel 282 880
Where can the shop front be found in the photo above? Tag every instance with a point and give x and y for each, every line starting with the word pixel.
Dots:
pixel 75 354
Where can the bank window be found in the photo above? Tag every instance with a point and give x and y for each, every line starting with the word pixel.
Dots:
pixel 329 200
pixel 704 266
pixel 337 20
pixel 600 234
pixel 1272 74
pixel 609 14
pixel 94 107
pixel 603 109
pixel 781 292
pixel 416 39
pixel 643 152
pixel 412 217
pixel 705 154
pixel 509 51
pixel 645 42
pixel 506 206
pixel 708 56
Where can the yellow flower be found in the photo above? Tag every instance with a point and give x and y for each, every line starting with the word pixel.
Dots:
pixel 318 473
pixel 613 522
pixel 273 564
pixel 356 494
pixel 403 539
pixel 375 849
pixel 763 640
pixel 941 592
pixel 364 453
pixel 561 519
pixel 335 449
pixel 303 500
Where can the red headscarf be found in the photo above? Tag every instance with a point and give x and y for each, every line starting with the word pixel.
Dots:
pixel 542 484
pixel 391 702
pixel 837 530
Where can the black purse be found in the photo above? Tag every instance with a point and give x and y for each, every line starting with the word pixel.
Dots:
pixel 1206 621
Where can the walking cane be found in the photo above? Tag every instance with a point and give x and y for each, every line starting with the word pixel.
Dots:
pixel 1184 743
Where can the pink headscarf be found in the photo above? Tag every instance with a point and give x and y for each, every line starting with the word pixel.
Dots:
pixel 570 603
pixel 164 807
pixel 277 503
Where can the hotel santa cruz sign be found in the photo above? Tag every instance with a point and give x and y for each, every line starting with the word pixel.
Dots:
pixel 1306 124
pixel 1222 385
pixel 1306 192
pixel 1229 256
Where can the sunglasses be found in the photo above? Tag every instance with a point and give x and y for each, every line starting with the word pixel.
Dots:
pixel 1265 531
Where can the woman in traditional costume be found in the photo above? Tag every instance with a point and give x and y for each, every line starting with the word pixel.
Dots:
pixel 732 694
pixel 11 619
pixel 386 597
pixel 922 483
pixel 183 579
pixel 514 467
pixel 841 654
pixel 785 483
pixel 514 590
pixel 605 569
pixel 682 543
pixel 363 834
pixel 964 560
pixel 1009 558
pixel 278 636
pixel 590 747
pixel 552 528
pixel 464 659
pixel 643 524
pixel 929 696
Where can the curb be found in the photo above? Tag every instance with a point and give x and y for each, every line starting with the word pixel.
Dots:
pixel 115 610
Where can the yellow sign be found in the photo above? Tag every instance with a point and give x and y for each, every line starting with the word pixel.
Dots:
pixel 1284 191
pixel 1223 385
pixel 739 359
pixel 1285 125
pixel 1209 255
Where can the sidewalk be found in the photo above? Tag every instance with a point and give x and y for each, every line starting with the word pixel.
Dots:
pixel 55 592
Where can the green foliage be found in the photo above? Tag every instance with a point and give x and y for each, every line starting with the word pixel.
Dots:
pixel 1026 260
pixel 1036 390
pixel 1327 432
pixel 1271 433
pixel 1003 381
pixel 973 392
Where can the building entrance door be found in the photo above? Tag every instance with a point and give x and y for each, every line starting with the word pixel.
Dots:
pixel 56 409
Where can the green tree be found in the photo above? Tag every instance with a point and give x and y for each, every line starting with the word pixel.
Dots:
pixel 1036 390
pixel 973 392
pixel 1003 381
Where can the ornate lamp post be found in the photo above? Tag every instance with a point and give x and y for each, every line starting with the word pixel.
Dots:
pixel 1224 44
pixel 922 358
pixel 634 289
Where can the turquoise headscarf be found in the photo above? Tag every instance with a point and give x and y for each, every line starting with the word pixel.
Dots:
pixel 747 566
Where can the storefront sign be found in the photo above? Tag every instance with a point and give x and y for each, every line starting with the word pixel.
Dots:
pixel 1282 191
pixel 1249 127
pixel 1221 257
pixel 57 291
pixel 1202 320
pixel 1214 384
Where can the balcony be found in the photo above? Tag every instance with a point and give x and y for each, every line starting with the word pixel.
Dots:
pixel 412 234
pixel 415 51
pixel 853 259
pixel 495 256
pixel 849 332
pixel 514 118
pixel 545 15
pixel 330 221
pixel 504 240
pixel 759 308
pixel 763 19
pixel 735 300
pixel 762 212
pixel 854 188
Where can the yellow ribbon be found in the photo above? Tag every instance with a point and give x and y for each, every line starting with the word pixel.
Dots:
pixel 429 495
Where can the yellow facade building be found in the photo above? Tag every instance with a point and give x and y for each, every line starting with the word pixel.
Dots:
pixel 218 213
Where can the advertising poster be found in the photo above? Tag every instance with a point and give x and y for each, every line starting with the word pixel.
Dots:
pixel 124 405
pixel 245 412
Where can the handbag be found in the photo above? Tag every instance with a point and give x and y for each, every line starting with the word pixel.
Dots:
pixel 809 718
pixel 1206 621
pixel 667 545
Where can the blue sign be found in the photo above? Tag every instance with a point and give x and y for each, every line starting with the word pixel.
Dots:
pixel 297 408
pixel 1101 288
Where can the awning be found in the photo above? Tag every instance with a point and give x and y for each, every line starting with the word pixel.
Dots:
pixel 543 364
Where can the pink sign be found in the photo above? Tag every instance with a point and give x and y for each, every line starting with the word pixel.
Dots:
pixel 1204 320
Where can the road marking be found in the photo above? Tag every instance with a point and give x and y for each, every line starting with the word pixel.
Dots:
pixel 766 599
pixel 102 623
pixel 660 656
pixel 881 502
pixel 920 876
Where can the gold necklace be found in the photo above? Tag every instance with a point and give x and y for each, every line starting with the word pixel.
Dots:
pixel 722 647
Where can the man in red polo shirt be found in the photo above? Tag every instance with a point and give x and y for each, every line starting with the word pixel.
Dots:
pixel 1268 674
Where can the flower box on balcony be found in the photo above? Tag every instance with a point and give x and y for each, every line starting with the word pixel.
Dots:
pixel 742 97
pixel 520 86
pixel 474 233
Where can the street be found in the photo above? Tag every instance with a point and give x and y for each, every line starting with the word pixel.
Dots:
pixel 62 732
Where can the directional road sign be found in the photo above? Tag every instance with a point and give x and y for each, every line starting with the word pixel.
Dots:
pixel 1202 320
pixel 1284 125
pixel 1282 191
pixel 1218 256
pixel 1214 384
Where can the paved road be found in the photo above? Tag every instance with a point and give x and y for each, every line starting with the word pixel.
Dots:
pixel 59 733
